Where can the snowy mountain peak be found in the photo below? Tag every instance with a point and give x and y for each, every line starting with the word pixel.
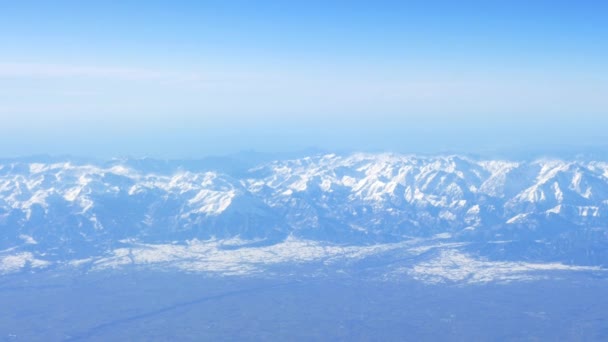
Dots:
pixel 69 208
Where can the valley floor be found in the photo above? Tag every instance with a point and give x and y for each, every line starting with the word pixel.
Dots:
pixel 130 304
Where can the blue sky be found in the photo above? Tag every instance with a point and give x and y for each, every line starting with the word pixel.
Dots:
pixel 187 79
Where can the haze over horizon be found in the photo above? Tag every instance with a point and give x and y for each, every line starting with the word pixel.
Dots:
pixel 192 79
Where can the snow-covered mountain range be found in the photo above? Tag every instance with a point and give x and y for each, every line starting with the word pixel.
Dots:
pixel 75 212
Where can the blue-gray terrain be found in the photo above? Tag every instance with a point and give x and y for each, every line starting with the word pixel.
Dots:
pixel 333 247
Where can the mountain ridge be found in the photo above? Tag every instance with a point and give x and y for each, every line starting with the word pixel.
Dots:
pixel 551 209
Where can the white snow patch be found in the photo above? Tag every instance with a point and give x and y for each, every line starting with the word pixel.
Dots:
pixel 454 266
pixel 588 211
pixel 212 202
pixel 38 167
pixel 16 262
pixel 555 210
pixel 517 218
pixel 446 215
pixel 443 236
pixel 474 210
pixel 28 239
pixel 209 256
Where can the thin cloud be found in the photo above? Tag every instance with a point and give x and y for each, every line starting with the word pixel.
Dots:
pixel 25 70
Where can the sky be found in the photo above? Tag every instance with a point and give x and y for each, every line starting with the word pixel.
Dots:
pixel 185 79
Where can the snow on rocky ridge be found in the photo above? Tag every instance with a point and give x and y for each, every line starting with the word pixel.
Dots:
pixel 552 212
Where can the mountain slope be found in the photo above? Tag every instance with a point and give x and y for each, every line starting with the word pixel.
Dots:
pixel 544 210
